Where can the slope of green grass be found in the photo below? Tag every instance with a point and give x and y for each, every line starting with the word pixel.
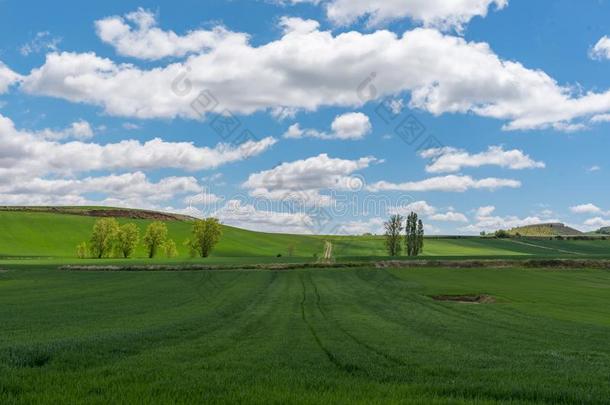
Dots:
pixel 53 236
pixel 325 336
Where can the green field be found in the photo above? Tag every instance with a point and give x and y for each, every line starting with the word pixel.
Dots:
pixel 318 335
pixel 54 237
pixel 323 336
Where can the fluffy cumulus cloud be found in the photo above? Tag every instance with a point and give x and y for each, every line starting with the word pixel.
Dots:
pixel 305 180
pixel 419 207
pixel 601 50
pixel 77 130
pixel 7 78
pixel 423 209
pixel 586 209
pixel 25 152
pixel 451 183
pixel 308 68
pixel 450 216
pixel 137 35
pixel 350 126
pixel 35 169
pixel 247 216
pixel 441 14
pixel 488 222
pixel 372 225
pixel 448 160
pixel 596 223
pixel 129 190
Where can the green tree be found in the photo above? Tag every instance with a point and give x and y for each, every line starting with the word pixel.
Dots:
pixel 169 249
pixel 128 238
pixel 104 237
pixel 420 237
pixel 502 234
pixel 393 229
pixel 411 234
pixel 155 238
pixel 204 236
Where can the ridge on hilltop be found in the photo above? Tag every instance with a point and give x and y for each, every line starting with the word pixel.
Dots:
pixel 106 212
pixel 549 229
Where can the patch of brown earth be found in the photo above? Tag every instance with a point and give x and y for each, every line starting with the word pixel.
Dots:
pixel 104 212
pixel 466 299
pixel 132 214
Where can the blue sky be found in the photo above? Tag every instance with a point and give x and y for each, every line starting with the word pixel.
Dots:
pixel 506 106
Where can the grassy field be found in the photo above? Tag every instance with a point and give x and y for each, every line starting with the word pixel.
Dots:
pixel 47 236
pixel 332 336
pixel 358 335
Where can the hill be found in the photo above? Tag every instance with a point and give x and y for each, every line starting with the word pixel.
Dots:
pixel 550 229
pixel 52 233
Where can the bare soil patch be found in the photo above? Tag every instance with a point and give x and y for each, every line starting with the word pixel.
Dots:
pixel 466 299
pixel 104 212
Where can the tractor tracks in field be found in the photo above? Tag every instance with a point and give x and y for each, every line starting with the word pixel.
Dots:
pixel 333 358
pixel 121 346
pixel 348 368
pixel 356 340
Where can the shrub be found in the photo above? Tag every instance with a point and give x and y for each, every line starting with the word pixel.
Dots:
pixel 82 250
pixel 169 249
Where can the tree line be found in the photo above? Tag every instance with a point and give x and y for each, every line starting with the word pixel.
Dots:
pixel 110 239
pixel 413 236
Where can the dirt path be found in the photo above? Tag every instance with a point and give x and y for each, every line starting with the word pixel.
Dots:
pixel 547 248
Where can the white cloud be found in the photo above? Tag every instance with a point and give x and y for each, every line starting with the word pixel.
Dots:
pixel 130 126
pixel 442 14
pixel 601 50
pixel 486 221
pixel 373 226
pixel 303 180
pixel 28 154
pixel 585 209
pixel 305 70
pixel 125 190
pixel 419 207
pixel 7 78
pixel 247 216
pixel 423 209
pixel 447 160
pixel 600 118
pixel 77 130
pixel 42 42
pixel 451 183
pixel 350 126
pixel 594 168
pixel 485 211
pixel 597 222
pixel 36 170
pixel 450 216
pixel 203 198
pixel 137 35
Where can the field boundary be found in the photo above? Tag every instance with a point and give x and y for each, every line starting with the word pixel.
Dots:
pixel 456 264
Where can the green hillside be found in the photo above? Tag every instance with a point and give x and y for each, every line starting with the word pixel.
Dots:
pixel 554 229
pixel 48 234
